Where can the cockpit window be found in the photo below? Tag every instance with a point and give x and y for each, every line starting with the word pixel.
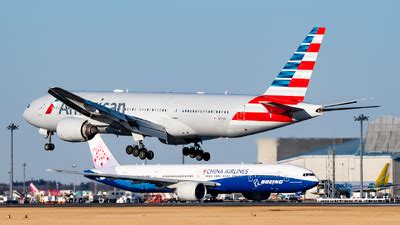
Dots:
pixel 308 174
pixel 28 106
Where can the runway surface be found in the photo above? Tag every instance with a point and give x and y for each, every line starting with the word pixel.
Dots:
pixel 200 204
pixel 196 214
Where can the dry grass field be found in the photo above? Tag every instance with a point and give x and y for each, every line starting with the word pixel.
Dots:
pixel 245 215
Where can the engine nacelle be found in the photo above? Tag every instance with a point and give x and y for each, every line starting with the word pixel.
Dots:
pixel 191 191
pixel 76 129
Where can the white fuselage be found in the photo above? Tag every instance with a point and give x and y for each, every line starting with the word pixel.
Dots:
pixel 184 116
pixel 230 177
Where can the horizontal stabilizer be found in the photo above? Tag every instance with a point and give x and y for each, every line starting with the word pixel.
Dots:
pixel 348 108
pixel 340 103
pixel 287 108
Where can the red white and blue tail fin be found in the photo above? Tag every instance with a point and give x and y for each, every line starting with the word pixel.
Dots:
pixel 291 84
pixel 101 155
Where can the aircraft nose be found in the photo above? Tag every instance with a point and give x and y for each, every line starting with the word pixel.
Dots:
pixel 27 115
pixel 314 181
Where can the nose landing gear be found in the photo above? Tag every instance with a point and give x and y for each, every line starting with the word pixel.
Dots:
pixel 49 146
pixel 197 152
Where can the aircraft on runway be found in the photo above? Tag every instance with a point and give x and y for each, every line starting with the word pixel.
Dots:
pixel 381 182
pixel 181 119
pixel 193 182
pixel 35 191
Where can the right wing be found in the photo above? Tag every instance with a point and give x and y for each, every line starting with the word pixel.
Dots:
pixel 106 115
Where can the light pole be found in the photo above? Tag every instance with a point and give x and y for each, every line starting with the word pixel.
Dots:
pixel 74 166
pixel 12 127
pixel 361 118
pixel 24 165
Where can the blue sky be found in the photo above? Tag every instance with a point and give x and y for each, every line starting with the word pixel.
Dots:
pixel 188 46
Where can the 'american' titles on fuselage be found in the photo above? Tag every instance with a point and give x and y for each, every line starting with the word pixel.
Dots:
pixel 120 107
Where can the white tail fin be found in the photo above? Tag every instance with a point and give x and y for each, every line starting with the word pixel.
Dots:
pixel 33 188
pixel 101 155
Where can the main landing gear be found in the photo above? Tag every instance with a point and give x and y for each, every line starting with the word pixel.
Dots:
pixel 140 151
pixel 49 146
pixel 196 152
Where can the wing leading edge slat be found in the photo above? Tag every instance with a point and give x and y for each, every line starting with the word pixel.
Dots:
pixel 106 115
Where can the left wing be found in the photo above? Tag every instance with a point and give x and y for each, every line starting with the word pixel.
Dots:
pixel 106 115
pixel 160 182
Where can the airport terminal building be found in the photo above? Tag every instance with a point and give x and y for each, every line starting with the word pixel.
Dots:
pixel 382 145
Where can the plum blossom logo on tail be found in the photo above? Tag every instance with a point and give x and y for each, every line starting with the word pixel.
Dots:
pixel 100 156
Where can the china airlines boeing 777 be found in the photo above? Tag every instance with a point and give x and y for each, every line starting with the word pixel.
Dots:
pixel 193 182
pixel 180 119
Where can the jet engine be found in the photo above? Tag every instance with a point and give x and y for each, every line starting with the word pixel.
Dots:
pixel 76 129
pixel 191 191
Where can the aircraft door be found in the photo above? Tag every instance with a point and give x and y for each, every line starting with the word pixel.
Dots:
pixel 250 178
pixel 242 113
pixel 253 182
pixel 174 111
pixel 285 178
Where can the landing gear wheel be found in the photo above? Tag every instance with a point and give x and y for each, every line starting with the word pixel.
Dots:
pixel 192 153
pixel 49 147
pixel 129 149
pixel 135 151
pixel 196 152
pixel 185 151
pixel 199 157
pixel 150 155
pixel 206 156
pixel 142 153
pixel 199 154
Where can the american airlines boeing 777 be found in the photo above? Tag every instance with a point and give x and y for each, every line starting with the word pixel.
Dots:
pixel 180 119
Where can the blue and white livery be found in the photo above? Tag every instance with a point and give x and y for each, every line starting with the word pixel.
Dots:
pixel 193 182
